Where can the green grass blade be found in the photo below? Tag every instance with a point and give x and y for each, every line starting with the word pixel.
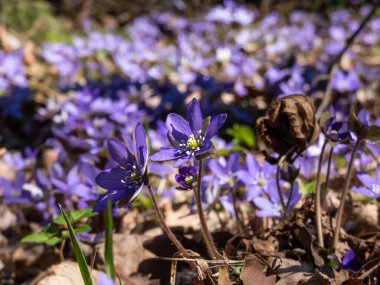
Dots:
pixel 109 264
pixel 86 276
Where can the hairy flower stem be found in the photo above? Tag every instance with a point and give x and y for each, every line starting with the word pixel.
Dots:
pixel 318 209
pixel 325 188
pixel 283 206
pixel 239 222
pixel 164 226
pixel 345 191
pixel 206 233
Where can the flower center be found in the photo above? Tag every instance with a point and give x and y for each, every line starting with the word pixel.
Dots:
pixel 192 143
pixel 262 182
pixel 189 180
pixel 135 177
pixel 376 189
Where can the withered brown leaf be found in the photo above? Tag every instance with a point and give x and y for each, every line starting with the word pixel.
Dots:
pixel 289 122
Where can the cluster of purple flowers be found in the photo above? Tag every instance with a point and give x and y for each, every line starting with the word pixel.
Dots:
pixel 274 55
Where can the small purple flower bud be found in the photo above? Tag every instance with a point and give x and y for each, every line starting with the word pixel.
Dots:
pixel 289 172
pixel 186 177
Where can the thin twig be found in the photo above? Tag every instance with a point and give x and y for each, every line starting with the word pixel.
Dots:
pixel 345 191
pixel 334 65
pixel 213 261
pixel 206 233
pixel 318 209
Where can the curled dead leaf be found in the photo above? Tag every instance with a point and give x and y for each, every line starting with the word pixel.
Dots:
pixel 289 123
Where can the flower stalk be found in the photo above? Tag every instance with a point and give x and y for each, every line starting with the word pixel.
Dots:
pixel 318 208
pixel 164 226
pixel 206 233
pixel 345 191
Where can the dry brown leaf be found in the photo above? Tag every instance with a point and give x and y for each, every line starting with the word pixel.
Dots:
pixel 353 281
pixel 317 279
pixel 254 272
pixel 224 277
pixel 129 252
pixel 66 273
pixel 292 271
pixel 289 122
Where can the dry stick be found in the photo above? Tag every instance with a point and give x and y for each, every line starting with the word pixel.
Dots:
pixel 334 66
pixel 206 233
pixel 318 210
pixel 345 191
pixel 165 227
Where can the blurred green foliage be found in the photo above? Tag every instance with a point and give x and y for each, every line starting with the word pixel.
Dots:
pixel 243 135
pixel 33 19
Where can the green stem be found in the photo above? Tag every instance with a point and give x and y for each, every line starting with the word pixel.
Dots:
pixel 318 209
pixel 206 233
pixel 109 262
pixel 345 191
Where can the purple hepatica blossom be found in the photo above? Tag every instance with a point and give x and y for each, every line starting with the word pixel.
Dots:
pixel 371 187
pixel 104 279
pixel 80 188
pixel 226 172
pixel 351 261
pixel 190 138
pixel 186 177
pixel 257 177
pixel 336 131
pixel 14 192
pixel 271 206
pixel 127 179
pixel 346 82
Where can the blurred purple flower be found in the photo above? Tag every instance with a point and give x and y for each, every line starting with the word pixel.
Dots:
pixel 257 177
pixel 127 179
pixel 226 172
pixel 346 81
pixel 190 138
pixel 371 186
pixel 270 206
pixel 351 261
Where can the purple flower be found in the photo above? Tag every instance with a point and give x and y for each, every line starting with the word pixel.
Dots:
pixel 186 177
pixel 335 127
pixel 270 206
pixel 226 172
pixel 343 82
pixel 257 177
pixel 190 138
pixel 104 279
pixel 351 261
pixel 371 187
pixel 127 179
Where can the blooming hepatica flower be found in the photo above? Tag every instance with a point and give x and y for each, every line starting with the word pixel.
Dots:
pixel 270 206
pixel 126 180
pixel 186 177
pixel 226 172
pixel 371 187
pixel 351 261
pixel 190 138
pixel 257 177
